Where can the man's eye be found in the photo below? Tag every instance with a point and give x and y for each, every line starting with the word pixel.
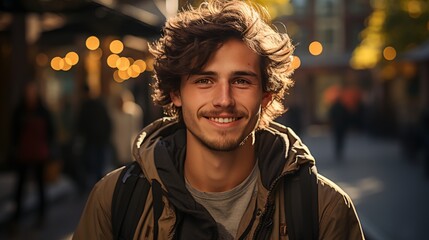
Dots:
pixel 203 81
pixel 241 81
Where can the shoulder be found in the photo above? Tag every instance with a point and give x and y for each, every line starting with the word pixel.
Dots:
pixel 95 221
pixel 330 191
pixel 103 189
pixel 337 213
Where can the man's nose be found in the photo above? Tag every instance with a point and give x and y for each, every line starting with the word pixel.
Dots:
pixel 223 96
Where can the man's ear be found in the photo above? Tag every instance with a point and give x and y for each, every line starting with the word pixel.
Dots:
pixel 266 99
pixel 175 98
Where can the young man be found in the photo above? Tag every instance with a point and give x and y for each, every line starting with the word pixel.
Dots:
pixel 220 161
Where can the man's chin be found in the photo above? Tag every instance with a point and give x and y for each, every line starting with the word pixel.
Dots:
pixel 225 145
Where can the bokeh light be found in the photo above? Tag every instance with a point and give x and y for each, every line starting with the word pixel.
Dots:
pixel 123 74
pixel 116 46
pixel 123 63
pixel 111 60
pixel 57 63
pixel 296 62
pixel 315 48
pixel 141 64
pixel 92 42
pixel 72 58
pixel 133 71
pixel 389 53
pixel 116 77
pixel 66 66
pixel 149 64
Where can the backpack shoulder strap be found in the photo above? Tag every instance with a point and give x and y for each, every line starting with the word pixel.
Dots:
pixel 129 199
pixel 301 204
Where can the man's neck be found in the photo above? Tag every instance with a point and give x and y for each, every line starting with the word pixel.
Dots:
pixel 218 171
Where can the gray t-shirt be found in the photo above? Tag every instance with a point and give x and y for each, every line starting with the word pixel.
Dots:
pixel 227 208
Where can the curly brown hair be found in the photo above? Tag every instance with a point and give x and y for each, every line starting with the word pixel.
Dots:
pixel 193 35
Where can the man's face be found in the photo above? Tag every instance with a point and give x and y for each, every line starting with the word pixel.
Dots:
pixel 221 105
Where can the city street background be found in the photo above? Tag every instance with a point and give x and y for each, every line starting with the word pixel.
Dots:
pixel 359 66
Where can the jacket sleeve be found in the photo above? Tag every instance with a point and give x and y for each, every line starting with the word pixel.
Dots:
pixel 337 214
pixel 95 221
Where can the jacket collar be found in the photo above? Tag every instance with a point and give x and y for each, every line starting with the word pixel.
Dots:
pixel 163 144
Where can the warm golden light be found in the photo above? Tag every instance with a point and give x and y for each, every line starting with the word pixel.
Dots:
pixel 369 52
pixel 66 66
pixel 123 63
pixel 42 59
pixel 57 63
pixel 133 71
pixel 141 64
pixel 116 46
pixel 296 62
pixel 92 43
pixel 71 58
pixel 315 48
pixel 111 60
pixel 116 77
pixel 365 57
pixel 414 8
pixel 123 74
pixel 389 53
pixel 149 64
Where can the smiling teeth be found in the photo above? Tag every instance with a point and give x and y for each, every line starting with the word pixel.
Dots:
pixel 223 120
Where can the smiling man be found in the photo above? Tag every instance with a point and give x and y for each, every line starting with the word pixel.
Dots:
pixel 219 167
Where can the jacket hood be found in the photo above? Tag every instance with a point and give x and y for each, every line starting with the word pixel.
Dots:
pixel 278 148
pixel 280 151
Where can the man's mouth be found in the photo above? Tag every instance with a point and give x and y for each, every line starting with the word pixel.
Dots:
pixel 223 120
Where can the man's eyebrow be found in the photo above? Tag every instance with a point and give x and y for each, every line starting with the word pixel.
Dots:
pixel 236 73
pixel 206 73
pixel 245 73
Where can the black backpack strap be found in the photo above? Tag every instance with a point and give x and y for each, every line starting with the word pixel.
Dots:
pixel 301 204
pixel 129 199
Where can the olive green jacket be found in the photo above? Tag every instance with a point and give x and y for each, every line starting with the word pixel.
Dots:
pixel 160 151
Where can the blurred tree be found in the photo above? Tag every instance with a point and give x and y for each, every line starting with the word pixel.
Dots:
pixel 401 24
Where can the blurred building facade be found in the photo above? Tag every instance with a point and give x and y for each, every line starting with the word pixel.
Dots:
pixel 325 33
pixel 64 45
pixel 39 38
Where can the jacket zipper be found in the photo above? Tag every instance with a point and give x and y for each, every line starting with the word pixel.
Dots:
pixel 270 207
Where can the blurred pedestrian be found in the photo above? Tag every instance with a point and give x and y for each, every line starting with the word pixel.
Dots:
pixel 94 130
pixel 219 167
pixel 339 118
pixel 127 119
pixel 32 145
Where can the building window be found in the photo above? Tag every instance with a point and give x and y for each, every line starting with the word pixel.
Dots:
pixel 358 7
pixel 300 7
pixel 328 8
pixel 329 33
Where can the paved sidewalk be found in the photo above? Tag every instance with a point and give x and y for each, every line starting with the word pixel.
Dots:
pixel 391 195
pixel 64 205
